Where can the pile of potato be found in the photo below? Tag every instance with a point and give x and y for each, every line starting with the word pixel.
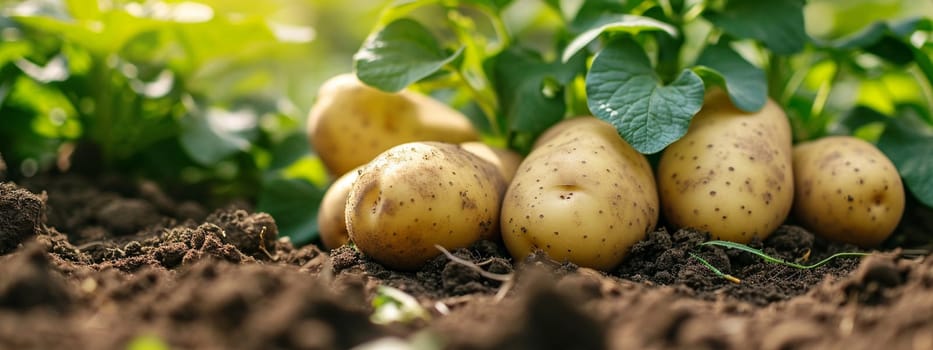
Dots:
pixel 411 175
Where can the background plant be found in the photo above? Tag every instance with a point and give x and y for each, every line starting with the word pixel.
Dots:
pixel 206 97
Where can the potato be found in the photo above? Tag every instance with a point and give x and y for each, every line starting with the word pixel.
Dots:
pixel 505 160
pixel 584 196
pixel 331 215
pixel 731 174
pixel 351 123
pixel 419 194
pixel 847 190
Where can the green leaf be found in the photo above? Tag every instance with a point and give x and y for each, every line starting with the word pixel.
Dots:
pixel 293 203
pixel 594 12
pixel 83 9
pixel 878 30
pixel 399 54
pixel 215 134
pixel 889 41
pixel 721 65
pixel 623 23
pixel 531 89
pixel 625 91
pixel 289 150
pixel 924 63
pixel 858 117
pixel 777 23
pixel 908 142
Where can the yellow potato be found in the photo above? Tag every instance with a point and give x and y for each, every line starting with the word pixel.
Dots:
pixel 351 123
pixel 419 194
pixel 331 216
pixel 731 174
pixel 584 196
pixel 505 160
pixel 847 190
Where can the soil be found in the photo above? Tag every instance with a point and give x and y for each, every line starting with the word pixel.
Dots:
pixel 112 264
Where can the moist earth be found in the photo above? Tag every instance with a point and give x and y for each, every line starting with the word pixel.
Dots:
pixel 112 264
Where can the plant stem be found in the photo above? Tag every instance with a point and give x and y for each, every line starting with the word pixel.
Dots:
pixel 471 70
pixel 770 259
pixel 718 272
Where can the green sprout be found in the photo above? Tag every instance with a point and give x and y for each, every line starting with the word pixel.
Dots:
pixel 393 305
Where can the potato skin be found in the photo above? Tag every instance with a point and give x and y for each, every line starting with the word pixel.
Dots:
pixel 350 122
pixel 419 194
pixel 331 215
pixel 731 174
pixel 847 190
pixel 507 161
pixel 583 196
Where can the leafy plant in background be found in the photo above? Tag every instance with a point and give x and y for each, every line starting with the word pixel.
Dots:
pixel 178 92
pixel 644 66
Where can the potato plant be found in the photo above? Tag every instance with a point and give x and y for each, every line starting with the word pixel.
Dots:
pixel 715 93
pixel 118 88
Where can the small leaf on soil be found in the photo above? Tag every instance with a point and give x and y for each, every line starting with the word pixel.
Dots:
pixel 720 65
pixel 400 54
pixel 392 305
pixel 625 91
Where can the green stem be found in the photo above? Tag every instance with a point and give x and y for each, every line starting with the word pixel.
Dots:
pixel 101 122
pixel 716 271
pixel 770 259
pixel 471 70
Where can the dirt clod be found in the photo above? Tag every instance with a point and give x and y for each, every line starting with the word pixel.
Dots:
pixel 29 281
pixel 21 215
pixel 250 233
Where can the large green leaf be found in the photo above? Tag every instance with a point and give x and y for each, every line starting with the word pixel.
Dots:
pixel 624 90
pixel 721 65
pixel 908 141
pixel 399 54
pixel 777 23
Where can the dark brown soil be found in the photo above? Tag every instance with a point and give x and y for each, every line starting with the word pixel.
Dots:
pixel 103 265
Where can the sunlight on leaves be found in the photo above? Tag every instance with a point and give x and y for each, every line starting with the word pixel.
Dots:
pixel 400 54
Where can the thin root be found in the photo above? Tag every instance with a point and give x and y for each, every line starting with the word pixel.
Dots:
pixel 474 267
pixel 262 244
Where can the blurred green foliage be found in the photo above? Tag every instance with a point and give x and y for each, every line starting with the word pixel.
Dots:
pixel 207 97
